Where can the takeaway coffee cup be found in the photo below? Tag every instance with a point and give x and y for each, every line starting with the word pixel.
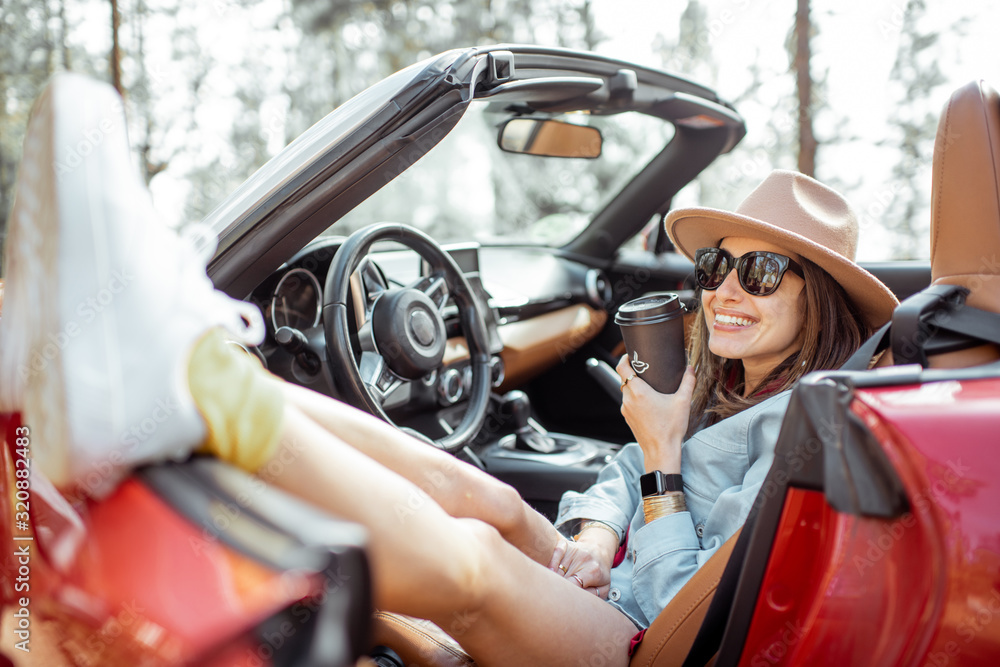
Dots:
pixel 653 329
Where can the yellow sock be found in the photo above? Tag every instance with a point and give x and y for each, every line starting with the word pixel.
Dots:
pixel 239 400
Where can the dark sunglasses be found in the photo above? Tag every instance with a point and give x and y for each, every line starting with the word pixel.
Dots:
pixel 759 272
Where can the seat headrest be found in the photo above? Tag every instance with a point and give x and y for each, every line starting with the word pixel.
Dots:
pixel 965 195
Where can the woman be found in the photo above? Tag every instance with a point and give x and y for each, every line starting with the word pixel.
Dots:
pixel 779 298
pixel 111 325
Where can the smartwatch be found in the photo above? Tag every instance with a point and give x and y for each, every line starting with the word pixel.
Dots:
pixel 657 483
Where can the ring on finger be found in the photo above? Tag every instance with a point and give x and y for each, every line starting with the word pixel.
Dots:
pixel 629 378
pixel 578 579
pixel 563 568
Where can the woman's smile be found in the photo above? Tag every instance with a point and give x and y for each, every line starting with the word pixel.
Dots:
pixel 761 331
pixel 732 322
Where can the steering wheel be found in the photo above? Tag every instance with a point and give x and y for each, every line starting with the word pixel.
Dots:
pixel 401 331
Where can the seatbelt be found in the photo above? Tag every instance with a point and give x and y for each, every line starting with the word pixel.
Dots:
pixel 863 355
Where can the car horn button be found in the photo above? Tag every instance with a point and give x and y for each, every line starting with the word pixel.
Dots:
pixel 422 327
pixel 409 332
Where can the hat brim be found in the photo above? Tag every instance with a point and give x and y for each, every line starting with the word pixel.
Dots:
pixel 694 228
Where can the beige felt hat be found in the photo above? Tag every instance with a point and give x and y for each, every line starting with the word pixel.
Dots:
pixel 801 215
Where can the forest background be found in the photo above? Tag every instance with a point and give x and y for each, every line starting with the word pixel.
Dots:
pixel 848 91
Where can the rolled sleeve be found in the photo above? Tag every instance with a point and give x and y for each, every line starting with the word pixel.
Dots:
pixel 612 499
pixel 667 545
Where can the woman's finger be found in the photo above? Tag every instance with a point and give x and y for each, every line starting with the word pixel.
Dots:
pixel 557 555
pixel 686 388
pixel 624 368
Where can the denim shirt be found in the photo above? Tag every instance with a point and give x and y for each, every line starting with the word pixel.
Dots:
pixel 723 466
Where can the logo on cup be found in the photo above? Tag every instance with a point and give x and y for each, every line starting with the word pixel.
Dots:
pixel 639 366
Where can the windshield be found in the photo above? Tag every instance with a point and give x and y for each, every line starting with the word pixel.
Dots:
pixel 327 132
pixel 467 189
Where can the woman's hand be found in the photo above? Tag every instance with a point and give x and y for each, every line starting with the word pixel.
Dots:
pixel 587 561
pixel 658 421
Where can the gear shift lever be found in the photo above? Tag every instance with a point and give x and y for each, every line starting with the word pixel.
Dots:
pixel 518 406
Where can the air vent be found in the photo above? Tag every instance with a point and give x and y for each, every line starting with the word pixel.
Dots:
pixel 598 288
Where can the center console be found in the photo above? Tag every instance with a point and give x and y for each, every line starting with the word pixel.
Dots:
pixel 541 465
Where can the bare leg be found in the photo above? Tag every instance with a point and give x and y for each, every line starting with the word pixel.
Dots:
pixel 502 607
pixel 460 489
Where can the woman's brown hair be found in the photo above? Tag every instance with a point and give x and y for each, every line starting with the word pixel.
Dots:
pixel 833 330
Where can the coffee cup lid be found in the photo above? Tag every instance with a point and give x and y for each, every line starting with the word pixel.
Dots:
pixel 649 309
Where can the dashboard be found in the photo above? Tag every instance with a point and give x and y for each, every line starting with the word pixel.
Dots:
pixel 537 305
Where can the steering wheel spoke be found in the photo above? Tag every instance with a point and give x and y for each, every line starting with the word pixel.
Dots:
pixel 378 379
pixel 435 287
pixel 370 285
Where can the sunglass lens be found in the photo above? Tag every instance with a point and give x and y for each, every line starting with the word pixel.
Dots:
pixel 760 274
pixel 710 268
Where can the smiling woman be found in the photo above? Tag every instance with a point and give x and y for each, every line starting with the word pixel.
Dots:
pixel 770 311
pixel 745 341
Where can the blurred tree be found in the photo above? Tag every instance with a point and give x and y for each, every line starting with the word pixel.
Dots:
pixel 115 59
pixel 767 146
pixel 801 62
pixel 914 77
pixel 141 98
pixel 29 53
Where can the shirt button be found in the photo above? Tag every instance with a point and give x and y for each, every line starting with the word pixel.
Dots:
pixel 614 595
pixel 700 530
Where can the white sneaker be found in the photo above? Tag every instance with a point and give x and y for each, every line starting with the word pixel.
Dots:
pixel 103 302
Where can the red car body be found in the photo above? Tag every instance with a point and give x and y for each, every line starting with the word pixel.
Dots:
pixel 919 589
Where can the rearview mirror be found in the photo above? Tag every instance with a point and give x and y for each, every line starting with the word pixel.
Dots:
pixel 549 138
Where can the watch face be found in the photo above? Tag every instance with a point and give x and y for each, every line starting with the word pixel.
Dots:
pixel 649 484
pixel 656 483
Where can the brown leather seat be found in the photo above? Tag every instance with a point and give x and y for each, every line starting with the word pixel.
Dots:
pixel 666 643
pixel 965 207
pixel 965 195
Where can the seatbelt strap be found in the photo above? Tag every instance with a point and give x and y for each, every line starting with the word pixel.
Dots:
pixel 973 322
pixel 863 355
